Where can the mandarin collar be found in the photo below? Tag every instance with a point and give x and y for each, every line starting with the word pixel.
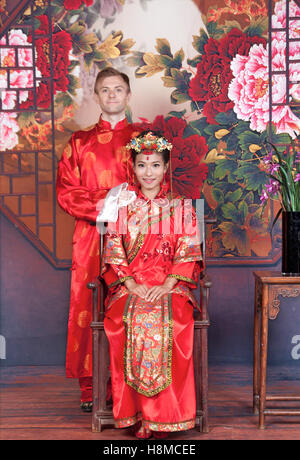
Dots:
pixel 105 125
pixel 161 194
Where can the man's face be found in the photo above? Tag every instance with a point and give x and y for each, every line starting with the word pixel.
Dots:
pixel 112 95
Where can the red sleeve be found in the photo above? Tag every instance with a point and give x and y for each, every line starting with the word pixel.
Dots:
pixel 115 257
pixel 116 274
pixel 109 275
pixel 188 261
pixel 187 272
pixel 123 273
pixel 74 198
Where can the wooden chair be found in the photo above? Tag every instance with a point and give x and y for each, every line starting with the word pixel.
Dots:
pixel 102 413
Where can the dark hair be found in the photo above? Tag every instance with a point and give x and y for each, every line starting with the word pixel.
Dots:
pixel 111 72
pixel 165 153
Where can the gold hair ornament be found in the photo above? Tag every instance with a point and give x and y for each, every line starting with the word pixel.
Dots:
pixel 149 142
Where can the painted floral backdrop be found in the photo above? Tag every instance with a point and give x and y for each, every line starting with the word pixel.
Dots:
pixel 219 120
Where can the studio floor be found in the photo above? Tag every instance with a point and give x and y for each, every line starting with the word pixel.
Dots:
pixel 40 403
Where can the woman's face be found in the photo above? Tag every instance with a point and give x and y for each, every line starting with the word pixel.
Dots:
pixel 150 171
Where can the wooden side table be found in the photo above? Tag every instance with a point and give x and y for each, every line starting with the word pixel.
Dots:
pixel 269 286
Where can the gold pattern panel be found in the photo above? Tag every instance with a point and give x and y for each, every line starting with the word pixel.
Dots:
pixel 84 319
pixel 106 178
pixel 104 138
pixel 122 154
pixel 89 160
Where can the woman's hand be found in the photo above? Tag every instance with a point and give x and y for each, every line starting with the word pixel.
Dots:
pixel 134 288
pixel 156 292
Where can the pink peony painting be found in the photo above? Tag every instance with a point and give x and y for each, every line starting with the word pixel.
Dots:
pixel 249 89
pixel 18 78
pixel 8 130
pixel 279 22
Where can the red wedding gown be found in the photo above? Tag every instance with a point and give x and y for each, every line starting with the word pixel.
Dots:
pixel 151 344
pixel 92 163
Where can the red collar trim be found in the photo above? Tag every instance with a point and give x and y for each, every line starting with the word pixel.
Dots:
pixel 103 124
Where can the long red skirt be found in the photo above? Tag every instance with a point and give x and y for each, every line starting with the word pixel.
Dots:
pixel 172 409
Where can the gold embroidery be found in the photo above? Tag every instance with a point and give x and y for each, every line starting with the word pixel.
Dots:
pixel 128 421
pixel 186 292
pixel 178 426
pixel 136 316
pixel 145 225
pixel 121 292
pixel 120 281
pixel 155 426
pixel 135 249
pixel 182 278
pixel 170 311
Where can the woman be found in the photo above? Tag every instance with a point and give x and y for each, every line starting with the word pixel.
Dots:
pixel 151 265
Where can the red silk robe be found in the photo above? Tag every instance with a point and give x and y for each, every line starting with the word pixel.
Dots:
pixel 93 162
pixel 151 344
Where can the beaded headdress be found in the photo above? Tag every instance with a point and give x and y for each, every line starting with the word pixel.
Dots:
pixel 149 142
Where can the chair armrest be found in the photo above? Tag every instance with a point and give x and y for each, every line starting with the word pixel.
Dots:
pixel 96 283
pixel 205 284
pixel 205 281
pixel 98 287
pixel 93 284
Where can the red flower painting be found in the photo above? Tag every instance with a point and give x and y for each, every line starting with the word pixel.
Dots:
pixel 76 4
pixel 61 46
pixel 210 84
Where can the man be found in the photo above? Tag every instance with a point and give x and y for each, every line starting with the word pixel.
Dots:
pixel 93 161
